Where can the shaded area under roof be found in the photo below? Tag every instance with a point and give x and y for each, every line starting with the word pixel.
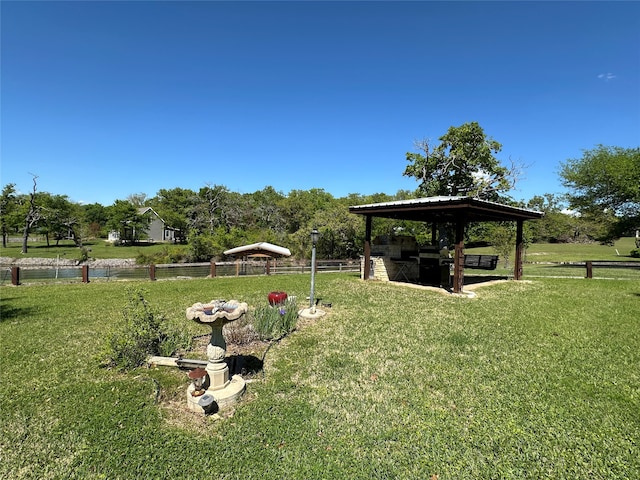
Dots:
pixel 446 209
pixel 456 210
pixel 260 248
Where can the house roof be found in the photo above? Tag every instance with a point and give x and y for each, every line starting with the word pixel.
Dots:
pixel 145 210
pixel 446 209
pixel 260 248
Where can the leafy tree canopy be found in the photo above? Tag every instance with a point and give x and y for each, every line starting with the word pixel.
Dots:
pixel 462 164
pixel 605 178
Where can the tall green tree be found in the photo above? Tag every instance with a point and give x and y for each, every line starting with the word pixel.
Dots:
pixel 61 218
pixel 175 207
pixel 9 217
pixel 605 186
pixel 464 163
pixel 556 225
pixel 266 209
pixel 94 217
pixel 301 205
pixel 605 178
pixel 341 233
pixel 125 219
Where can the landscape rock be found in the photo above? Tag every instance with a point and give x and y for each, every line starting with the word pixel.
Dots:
pixel 66 262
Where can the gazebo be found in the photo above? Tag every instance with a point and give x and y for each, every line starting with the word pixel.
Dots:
pixel 458 211
pixel 260 249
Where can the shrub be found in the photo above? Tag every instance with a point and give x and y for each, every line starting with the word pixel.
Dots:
pixel 201 248
pixel 84 254
pixel 165 255
pixel 635 253
pixel 143 332
pixel 275 322
pixel 240 332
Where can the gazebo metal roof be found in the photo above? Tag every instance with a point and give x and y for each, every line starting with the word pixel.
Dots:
pixel 260 248
pixel 446 209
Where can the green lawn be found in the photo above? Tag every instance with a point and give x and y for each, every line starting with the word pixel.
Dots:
pixel 545 260
pixel 572 252
pixel 527 380
pixel 98 249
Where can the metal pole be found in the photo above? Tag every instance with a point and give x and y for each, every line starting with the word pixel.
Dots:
pixel 315 235
pixel 312 304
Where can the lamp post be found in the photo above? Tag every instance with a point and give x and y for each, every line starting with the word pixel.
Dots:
pixel 315 235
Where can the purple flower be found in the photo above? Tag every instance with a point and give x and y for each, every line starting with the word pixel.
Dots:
pixel 282 311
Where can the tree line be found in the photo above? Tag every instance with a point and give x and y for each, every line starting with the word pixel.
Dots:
pixel 603 203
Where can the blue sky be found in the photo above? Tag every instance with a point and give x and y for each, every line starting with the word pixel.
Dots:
pixel 101 100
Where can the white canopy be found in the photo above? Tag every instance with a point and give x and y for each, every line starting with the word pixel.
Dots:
pixel 260 248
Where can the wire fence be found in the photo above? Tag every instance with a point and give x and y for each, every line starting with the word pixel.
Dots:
pixel 16 275
pixel 32 274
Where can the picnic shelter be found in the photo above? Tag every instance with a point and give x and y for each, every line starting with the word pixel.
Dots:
pixel 458 211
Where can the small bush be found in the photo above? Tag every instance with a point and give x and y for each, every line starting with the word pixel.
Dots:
pixel 201 248
pixel 275 322
pixel 144 259
pixel 84 254
pixel 165 255
pixel 635 253
pixel 240 332
pixel 143 332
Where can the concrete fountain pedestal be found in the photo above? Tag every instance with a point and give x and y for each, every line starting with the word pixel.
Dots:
pixel 218 388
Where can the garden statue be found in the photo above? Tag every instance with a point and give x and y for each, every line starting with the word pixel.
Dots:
pixel 216 383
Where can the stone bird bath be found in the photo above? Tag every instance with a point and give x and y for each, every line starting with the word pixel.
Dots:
pixel 217 384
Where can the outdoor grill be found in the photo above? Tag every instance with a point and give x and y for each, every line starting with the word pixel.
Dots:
pixel 434 266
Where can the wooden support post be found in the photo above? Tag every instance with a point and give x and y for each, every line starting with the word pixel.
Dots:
pixel 152 272
pixel 589 269
pixel 517 269
pixel 212 269
pixel 434 233
pixel 367 247
pixel 458 260
pixel 15 275
pixel 85 274
pixel 268 267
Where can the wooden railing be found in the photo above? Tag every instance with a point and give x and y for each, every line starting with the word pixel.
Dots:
pixel 83 273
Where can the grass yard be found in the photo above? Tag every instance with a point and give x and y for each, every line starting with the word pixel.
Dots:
pixel 552 260
pixel 571 252
pixel 532 380
pixel 98 249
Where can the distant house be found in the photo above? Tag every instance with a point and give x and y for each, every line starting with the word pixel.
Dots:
pixel 157 231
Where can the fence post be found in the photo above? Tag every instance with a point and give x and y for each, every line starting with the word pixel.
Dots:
pixel 589 269
pixel 15 275
pixel 212 269
pixel 152 271
pixel 85 273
